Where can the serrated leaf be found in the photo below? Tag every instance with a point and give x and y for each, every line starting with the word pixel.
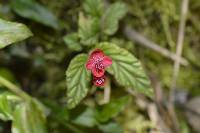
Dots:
pixel 110 19
pixel 78 79
pixel 28 119
pixel 126 69
pixel 11 32
pixel 112 109
pixel 93 7
pixel 72 41
pixel 88 30
pixel 32 10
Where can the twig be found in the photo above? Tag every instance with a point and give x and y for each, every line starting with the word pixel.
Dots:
pixel 180 40
pixel 181 32
pixel 135 36
pixel 159 97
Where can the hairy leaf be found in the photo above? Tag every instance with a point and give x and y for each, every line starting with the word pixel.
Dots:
pixel 11 32
pixel 126 69
pixel 110 20
pixel 88 30
pixel 71 40
pixel 78 79
pixel 32 10
pixel 93 7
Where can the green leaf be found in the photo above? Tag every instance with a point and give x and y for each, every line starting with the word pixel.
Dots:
pixel 112 109
pixel 78 79
pixel 88 30
pixel 110 19
pixel 28 118
pixel 72 41
pixel 11 32
pixel 5 109
pixel 86 118
pixel 111 127
pixel 93 7
pixel 7 103
pixel 32 10
pixel 126 69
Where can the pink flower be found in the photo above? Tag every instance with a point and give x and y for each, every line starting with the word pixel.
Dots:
pixel 97 63
pixel 99 81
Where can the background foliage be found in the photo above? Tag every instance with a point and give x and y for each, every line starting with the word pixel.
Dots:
pixel 62 29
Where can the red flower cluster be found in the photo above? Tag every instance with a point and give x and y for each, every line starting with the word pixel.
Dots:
pixel 97 63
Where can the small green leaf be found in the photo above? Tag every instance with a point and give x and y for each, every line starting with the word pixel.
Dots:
pixel 111 127
pixel 78 79
pixel 72 42
pixel 110 19
pixel 88 30
pixel 28 118
pixel 32 10
pixel 112 109
pixel 11 32
pixel 93 7
pixel 86 118
pixel 126 69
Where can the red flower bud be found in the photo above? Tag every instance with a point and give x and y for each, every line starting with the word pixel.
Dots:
pixel 99 81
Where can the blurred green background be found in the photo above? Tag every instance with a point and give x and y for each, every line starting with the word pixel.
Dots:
pixel 38 66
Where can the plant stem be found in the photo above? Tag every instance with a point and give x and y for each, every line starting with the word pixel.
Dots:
pixel 13 88
pixel 180 40
pixel 179 48
pixel 107 91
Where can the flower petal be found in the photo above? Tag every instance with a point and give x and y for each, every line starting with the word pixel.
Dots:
pixel 107 61
pixel 96 54
pixel 98 72
pixel 90 64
